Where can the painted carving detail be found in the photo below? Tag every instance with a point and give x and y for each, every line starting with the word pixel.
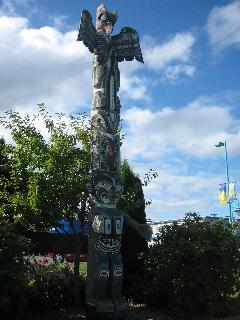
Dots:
pixel 108 244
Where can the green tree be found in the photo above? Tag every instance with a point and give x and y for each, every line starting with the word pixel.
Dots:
pixel 6 188
pixel 132 202
pixel 13 283
pixel 3 158
pixel 193 268
pixel 49 176
pixel 132 197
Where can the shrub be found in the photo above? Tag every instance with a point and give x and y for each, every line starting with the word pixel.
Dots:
pixel 192 269
pixel 13 285
pixel 133 245
pixel 52 285
pixel 132 202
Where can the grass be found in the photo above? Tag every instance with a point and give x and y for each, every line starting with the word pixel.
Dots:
pixel 83 268
pixel 136 312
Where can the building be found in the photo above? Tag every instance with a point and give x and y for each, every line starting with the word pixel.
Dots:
pixel 157 225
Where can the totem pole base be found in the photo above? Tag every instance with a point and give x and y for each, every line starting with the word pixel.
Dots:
pixel 93 314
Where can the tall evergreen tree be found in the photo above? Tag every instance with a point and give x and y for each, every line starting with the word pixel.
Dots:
pixel 132 202
pixel 3 158
pixel 132 198
pixel 6 188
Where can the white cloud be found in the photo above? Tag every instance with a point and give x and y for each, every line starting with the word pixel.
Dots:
pixel 7 8
pixel 172 141
pixel 133 82
pixel 175 191
pixel 39 124
pixel 46 65
pixel 174 72
pixel 164 209
pixel 59 22
pixel 172 57
pixel 134 87
pixel 42 65
pixel 14 7
pixel 193 130
pixel 223 26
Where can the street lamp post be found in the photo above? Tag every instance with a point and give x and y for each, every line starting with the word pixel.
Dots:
pixel 213 214
pixel 224 144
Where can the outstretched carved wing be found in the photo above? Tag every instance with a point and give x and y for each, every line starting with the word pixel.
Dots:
pixel 87 31
pixel 126 45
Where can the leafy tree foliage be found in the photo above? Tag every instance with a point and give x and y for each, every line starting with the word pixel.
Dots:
pixel 132 198
pixel 6 188
pixel 13 283
pixel 49 176
pixel 132 202
pixel 193 268
pixel 3 158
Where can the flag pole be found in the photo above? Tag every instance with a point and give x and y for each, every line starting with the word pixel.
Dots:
pixel 227 176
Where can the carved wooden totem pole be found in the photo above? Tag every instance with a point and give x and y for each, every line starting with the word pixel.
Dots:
pixel 105 270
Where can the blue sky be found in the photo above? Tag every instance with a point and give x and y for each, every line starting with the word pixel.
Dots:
pixel 175 107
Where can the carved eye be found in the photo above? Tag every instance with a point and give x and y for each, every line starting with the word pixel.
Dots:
pixel 105 185
pixel 89 187
pixel 118 188
pixel 103 18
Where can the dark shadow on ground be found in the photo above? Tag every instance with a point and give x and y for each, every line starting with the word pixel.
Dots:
pixel 136 312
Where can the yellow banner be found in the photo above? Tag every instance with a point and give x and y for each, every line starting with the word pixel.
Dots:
pixel 232 191
pixel 222 193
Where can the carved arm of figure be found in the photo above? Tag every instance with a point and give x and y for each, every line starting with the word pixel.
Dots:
pixel 143 229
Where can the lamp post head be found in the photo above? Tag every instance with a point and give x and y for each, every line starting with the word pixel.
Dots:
pixel 220 144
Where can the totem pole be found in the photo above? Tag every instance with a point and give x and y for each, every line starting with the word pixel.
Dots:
pixel 105 271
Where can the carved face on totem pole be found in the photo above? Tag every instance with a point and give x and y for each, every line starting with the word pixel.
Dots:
pixel 105 189
pixel 105 19
pixel 107 25
pixel 107 28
